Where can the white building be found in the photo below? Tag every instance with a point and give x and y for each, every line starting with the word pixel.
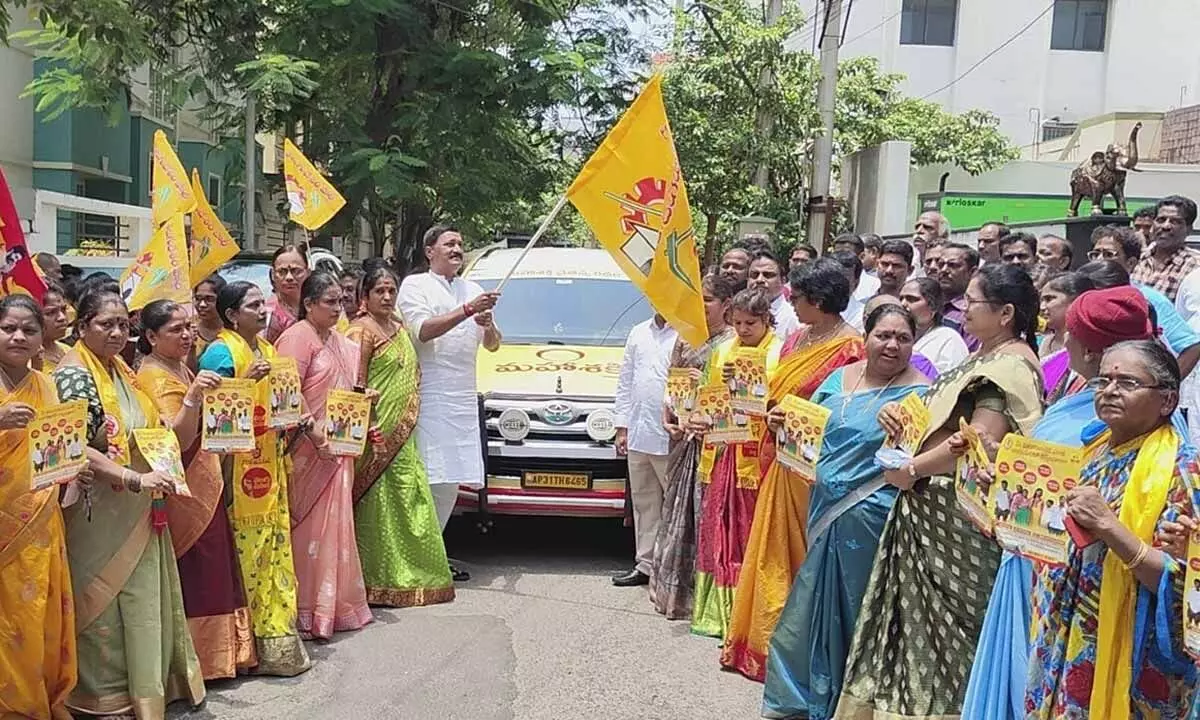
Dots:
pixel 1039 65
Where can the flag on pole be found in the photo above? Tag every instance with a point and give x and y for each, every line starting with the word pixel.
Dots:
pixel 170 192
pixel 18 274
pixel 631 194
pixel 212 245
pixel 312 200
pixel 160 271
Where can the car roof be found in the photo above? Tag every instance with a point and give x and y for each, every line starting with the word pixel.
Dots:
pixel 565 263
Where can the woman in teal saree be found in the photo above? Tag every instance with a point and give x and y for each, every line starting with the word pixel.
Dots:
pixel 849 506
pixel 399 538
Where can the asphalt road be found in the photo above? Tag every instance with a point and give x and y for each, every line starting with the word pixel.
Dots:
pixel 539 633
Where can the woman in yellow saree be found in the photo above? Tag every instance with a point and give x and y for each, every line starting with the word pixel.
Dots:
pixel 56 323
pixel 257 490
pixel 820 293
pixel 135 652
pixel 212 590
pixel 731 473
pixel 37 611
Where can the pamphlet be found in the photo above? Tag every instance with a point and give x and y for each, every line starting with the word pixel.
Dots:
pixel 681 391
pixel 798 445
pixel 914 416
pixel 728 427
pixel 1191 597
pixel 347 418
pixel 972 467
pixel 283 390
pixel 57 444
pixel 1032 479
pixel 228 422
pixel 748 387
pixel 160 450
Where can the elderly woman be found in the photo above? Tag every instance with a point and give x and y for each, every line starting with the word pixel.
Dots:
pixel 850 503
pixel 777 545
pixel 1057 295
pixel 135 652
pixel 289 270
pixel 37 660
pixel 673 564
pixel 1086 659
pixel 921 615
pixel 731 474
pixel 1097 320
pixel 944 347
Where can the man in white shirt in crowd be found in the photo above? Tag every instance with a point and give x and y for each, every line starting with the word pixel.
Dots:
pixel 853 314
pixel 930 229
pixel 867 285
pixel 448 318
pixel 641 391
pixel 766 273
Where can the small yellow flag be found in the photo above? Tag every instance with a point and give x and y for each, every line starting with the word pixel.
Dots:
pixel 632 195
pixel 312 201
pixel 160 270
pixel 212 245
pixel 170 191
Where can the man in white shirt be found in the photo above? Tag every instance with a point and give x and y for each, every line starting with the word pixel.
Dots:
pixel 641 391
pixel 766 273
pixel 853 314
pixel 448 318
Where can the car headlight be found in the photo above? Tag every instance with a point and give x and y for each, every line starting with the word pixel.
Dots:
pixel 601 425
pixel 514 424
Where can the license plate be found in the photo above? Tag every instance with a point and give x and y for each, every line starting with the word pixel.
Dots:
pixel 557 481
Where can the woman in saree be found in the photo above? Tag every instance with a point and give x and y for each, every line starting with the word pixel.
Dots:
pixel 921 614
pixel 673 564
pixel 289 270
pixel 212 590
pixel 256 490
pixel 56 321
pixel 730 472
pixel 1057 295
pixel 135 651
pixel 37 629
pixel 399 538
pixel 332 597
pixel 943 346
pixel 1097 650
pixel 208 321
pixel 849 506
pixel 777 546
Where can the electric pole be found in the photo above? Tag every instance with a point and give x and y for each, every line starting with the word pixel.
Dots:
pixel 819 202
pixel 766 121
pixel 251 175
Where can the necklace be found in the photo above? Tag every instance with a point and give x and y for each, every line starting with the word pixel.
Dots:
pixel 857 383
pixel 813 339
pixel 996 349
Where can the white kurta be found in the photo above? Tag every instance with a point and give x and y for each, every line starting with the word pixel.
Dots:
pixel 448 434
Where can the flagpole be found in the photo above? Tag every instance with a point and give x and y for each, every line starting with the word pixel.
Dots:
pixel 562 201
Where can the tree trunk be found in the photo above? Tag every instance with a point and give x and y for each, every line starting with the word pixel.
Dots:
pixel 710 240
pixel 407 249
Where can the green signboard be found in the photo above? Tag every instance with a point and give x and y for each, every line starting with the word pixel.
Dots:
pixel 972 210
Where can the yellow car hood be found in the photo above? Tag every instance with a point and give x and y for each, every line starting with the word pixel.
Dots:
pixel 550 370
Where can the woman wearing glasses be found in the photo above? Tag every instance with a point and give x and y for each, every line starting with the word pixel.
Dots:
pixel 289 270
pixel 921 614
pixel 1089 657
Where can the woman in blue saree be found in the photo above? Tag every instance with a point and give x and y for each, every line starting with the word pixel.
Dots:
pixel 1095 321
pixel 849 506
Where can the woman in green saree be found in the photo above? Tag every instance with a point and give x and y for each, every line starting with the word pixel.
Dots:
pixel 135 650
pixel 399 539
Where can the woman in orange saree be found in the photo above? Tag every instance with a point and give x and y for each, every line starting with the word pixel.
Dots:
pixel 777 545
pixel 332 596
pixel 213 600
pixel 37 611
pixel 731 473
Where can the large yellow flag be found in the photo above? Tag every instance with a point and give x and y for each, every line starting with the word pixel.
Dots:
pixel 632 195
pixel 312 201
pixel 160 271
pixel 170 192
pixel 212 245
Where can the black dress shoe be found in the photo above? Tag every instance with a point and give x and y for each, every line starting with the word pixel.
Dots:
pixel 633 578
pixel 459 575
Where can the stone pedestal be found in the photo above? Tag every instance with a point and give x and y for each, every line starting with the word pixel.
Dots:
pixel 1079 233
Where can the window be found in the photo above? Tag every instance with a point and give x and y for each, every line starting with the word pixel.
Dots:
pixel 569 311
pixel 928 22
pixel 1079 25
pixel 214 191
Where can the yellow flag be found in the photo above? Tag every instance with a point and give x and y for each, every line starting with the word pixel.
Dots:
pixel 212 245
pixel 170 191
pixel 160 271
pixel 312 201
pixel 632 195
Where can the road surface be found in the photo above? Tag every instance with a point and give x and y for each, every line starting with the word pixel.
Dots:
pixel 539 633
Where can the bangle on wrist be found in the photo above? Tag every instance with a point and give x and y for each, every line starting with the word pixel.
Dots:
pixel 1139 557
pixel 189 403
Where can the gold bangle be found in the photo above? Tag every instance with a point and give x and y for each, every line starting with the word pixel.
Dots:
pixel 1139 557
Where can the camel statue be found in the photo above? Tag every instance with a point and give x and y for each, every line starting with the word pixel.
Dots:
pixel 1104 174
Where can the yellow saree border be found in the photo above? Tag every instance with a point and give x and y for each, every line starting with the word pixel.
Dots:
pixel 107 583
pixel 1009 372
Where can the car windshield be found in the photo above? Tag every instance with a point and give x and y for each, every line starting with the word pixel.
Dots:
pixel 258 273
pixel 562 311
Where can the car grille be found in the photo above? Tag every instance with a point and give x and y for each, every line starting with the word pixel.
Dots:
pixel 544 423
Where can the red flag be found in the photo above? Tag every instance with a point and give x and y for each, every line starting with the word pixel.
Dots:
pixel 17 274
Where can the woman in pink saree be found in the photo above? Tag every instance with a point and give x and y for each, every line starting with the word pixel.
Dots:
pixel 289 270
pixel 331 594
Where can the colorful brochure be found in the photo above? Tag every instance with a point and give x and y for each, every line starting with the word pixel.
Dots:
pixel 284 406
pixel 1032 478
pixel 748 387
pixel 57 444
pixel 1191 597
pixel 914 416
pixel 347 418
pixel 728 427
pixel 798 444
pixel 972 468
pixel 681 391
pixel 160 450
pixel 228 417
